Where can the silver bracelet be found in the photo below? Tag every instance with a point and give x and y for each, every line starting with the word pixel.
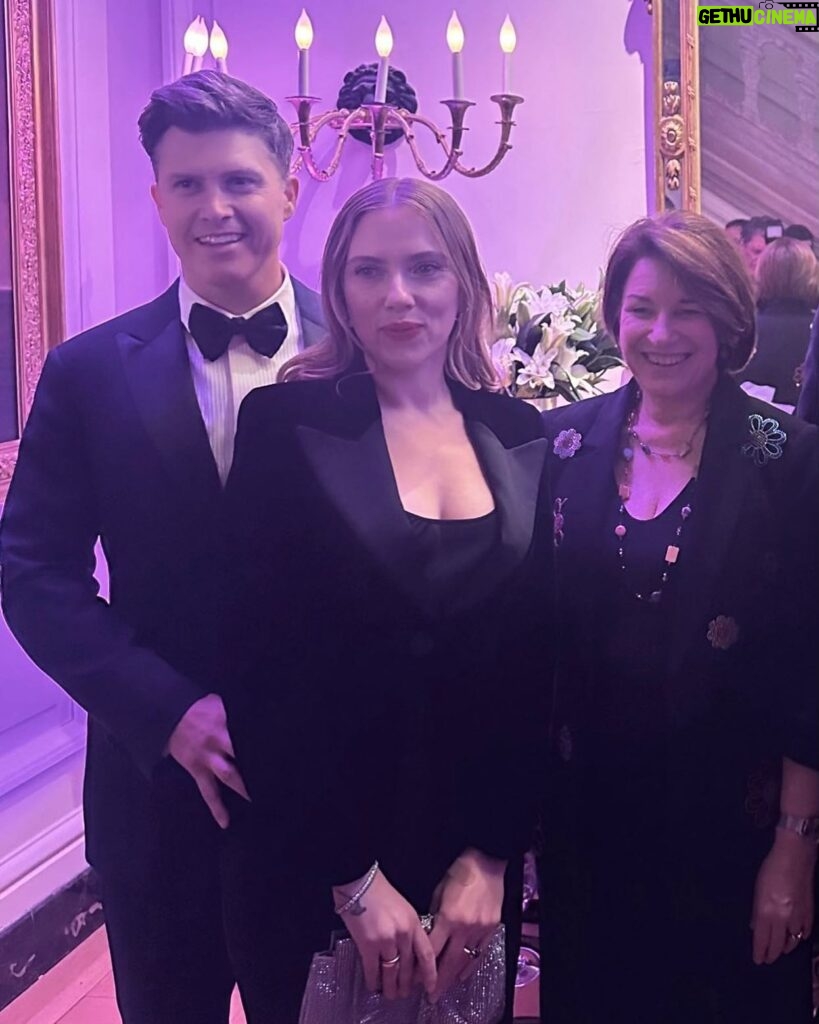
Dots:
pixel 807 828
pixel 353 901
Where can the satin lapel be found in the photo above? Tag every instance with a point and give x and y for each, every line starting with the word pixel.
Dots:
pixel 357 475
pixel 159 375
pixel 514 476
pixel 725 474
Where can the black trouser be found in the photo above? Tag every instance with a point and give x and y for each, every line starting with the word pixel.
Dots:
pixel 167 943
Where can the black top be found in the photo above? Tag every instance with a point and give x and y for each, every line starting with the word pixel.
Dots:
pixel 452 553
pixel 636 632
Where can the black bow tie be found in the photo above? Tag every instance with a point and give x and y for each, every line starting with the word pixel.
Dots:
pixel 265 331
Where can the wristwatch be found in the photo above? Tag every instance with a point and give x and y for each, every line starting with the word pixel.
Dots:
pixel 807 828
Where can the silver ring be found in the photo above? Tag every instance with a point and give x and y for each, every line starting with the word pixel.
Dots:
pixel 393 962
pixel 472 952
pixel 797 936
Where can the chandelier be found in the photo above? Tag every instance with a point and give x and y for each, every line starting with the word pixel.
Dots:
pixel 376 104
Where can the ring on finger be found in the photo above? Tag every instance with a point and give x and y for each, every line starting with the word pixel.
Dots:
pixel 393 962
pixel 472 951
pixel 797 936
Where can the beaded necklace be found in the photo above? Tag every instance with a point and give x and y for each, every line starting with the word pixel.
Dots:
pixel 672 552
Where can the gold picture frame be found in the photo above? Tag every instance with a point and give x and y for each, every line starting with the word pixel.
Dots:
pixel 676 105
pixel 34 202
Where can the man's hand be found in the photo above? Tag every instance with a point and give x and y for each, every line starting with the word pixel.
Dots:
pixel 201 744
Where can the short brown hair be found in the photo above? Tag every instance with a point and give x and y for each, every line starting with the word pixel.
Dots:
pixel 787 270
pixel 208 101
pixel 467 359
pixel 707 264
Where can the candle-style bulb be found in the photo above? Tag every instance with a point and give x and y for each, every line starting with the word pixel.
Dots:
pixel 218 42
pixel 191 34
pixel 197 37
pixel 383 38
pixel 304 31
pixel 454 34
pixel 508 36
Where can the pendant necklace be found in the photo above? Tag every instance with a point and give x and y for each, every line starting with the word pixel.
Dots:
pixel 672 552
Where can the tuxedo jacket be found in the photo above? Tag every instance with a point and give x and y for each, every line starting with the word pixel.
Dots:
pixel 742 660
pixel 115 448
pixel 369 723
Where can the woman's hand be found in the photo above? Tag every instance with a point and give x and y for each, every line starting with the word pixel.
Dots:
pixel 393 946
pixel 783 897
pixel 467 906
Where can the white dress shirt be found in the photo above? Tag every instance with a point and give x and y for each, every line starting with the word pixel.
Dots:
pixel 222 385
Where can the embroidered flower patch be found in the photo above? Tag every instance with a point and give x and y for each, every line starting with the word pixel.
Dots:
pixel 723 632
pixel 567 443
pixel 559 520
pixel 767 439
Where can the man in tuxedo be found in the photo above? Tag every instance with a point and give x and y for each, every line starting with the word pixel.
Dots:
pixel 129 441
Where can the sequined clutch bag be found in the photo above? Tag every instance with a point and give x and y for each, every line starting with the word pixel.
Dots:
pixel 336 992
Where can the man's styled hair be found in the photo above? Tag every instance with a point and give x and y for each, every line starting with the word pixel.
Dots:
pixel 752 227
pixel 737 222
pixel 208 101
pixel 705 262
pixel 800 232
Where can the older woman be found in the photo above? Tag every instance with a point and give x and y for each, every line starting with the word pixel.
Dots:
pixel 787 293
pixel 388 520
pixel 683 807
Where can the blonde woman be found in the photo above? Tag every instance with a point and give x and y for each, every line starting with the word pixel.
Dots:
pixel 389 519
pixel 787 294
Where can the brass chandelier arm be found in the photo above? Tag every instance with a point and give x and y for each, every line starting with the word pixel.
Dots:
pixel 379 119
pixel 452 154
pixel 507 104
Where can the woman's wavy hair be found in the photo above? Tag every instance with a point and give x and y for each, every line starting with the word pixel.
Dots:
pixel 467 358
pixel 787 270
pixel 707 264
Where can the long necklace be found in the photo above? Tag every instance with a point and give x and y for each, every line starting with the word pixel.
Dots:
pixel 650 450
pixel 672 552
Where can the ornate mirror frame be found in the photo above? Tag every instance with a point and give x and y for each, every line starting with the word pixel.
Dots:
pixel 676 104
pixel 34 200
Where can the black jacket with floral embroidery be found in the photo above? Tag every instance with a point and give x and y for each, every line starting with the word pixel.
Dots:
pixel 742 679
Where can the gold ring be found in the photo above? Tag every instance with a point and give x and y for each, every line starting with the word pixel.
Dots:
pixel 393 962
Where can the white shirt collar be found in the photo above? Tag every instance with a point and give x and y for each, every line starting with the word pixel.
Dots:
pixel 285 296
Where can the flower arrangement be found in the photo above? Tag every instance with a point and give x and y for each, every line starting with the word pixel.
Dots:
pixel 549 343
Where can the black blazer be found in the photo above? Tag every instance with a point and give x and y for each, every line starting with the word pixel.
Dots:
pixel 782 333
pixel 115 448
pixel 366 725
pixel 741 691
pixel 808 405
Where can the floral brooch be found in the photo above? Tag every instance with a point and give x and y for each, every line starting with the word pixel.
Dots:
pixel 723 632
pixel 567 443
pixel 767 439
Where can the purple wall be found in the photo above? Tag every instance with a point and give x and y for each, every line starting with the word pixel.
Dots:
pixel 134 70
pixel 577 172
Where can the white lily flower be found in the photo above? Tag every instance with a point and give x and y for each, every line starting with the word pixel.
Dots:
pixel 536 371
pixel 503 355
pixel 503 288
pixel 554 303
